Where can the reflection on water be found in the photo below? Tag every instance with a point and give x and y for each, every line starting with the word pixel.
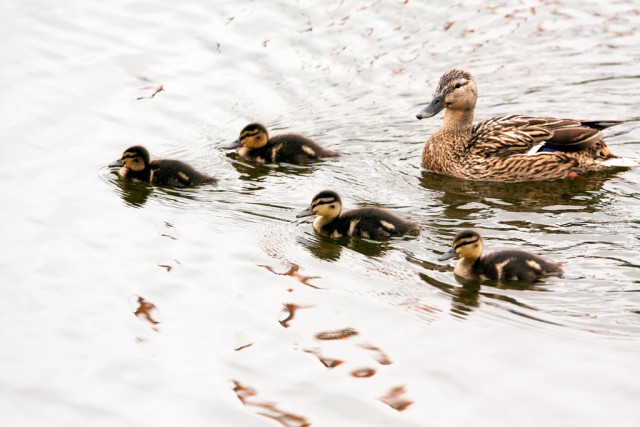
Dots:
pixel 133 193
pixel 257 172
pixel 459 196
pixel 330 249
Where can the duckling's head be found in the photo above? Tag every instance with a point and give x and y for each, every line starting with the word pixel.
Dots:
pixel 326 204
pixel 466 245
pixel 135 158
pixel 456 91
pixel 252 136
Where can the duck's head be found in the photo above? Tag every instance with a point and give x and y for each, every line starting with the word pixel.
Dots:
pixel 467 245
pixel 252 136
pixel 456 91
pixel 326 204
pixel 135 158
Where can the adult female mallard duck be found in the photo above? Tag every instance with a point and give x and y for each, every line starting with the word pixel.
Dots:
pixel 136 165
pixel 255 144
pixel 500 265
pixel 374 223
pixel 509 148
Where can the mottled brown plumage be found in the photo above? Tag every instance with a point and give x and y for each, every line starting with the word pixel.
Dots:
pixel 255 144
pixel 509 148
pixel 501 265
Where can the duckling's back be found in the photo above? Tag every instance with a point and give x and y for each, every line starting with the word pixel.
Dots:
pixel 514 265
pixel 294 148
pixel 374 223
pixel 177 173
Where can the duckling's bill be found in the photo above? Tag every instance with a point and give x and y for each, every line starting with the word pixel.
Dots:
pixel 118 163
pixel 451 253
pixel 235 144
pixel 307 212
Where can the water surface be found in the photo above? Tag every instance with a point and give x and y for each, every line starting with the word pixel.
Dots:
pixel 127 304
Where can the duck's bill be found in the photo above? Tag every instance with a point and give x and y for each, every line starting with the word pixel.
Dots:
pixel 435 106
pixel 448 255
pixel 116 164
pixel 235 144
pixel 306 212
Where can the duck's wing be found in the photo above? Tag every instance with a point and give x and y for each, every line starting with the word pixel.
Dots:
pixel 506 135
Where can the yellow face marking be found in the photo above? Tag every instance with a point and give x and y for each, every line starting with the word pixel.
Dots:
pixel 254 139
pixel 309 151
pixel 469 248
pixel 132 161
pixel 387 225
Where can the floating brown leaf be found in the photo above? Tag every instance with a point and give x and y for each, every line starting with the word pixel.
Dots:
pixel 395 400
pixel 290 309
pixel 327 362
pixel 268 409
pixel 144 311
pixel 363 373
pixel 381 356
pixel 340 334
pixel 293 272
pixel 158 90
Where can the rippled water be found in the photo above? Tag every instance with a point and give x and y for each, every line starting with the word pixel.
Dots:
pixel 125 304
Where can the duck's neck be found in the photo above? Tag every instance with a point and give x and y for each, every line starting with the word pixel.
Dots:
pixel 320 222
pixel 448 143
pixel 457 121
pixel 464 268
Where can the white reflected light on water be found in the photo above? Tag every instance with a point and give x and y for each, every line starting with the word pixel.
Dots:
pixel 133 305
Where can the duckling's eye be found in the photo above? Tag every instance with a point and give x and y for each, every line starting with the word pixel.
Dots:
pixel 458 85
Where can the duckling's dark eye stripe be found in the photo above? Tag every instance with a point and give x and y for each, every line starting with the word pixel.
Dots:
pixel 323 201
pixel 247 134
pixel 465 242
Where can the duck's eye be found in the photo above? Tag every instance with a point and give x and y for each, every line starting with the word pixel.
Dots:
pixel 458 85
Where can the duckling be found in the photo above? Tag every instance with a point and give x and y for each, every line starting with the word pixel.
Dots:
pixel 500 265
pixel 136 165
pixel 509 148
pixel 254 144
pixel 374 223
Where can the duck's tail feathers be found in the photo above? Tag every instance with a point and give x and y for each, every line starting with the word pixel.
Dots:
pixel 622 162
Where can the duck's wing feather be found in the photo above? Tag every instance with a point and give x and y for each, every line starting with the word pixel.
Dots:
pixel 506 135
